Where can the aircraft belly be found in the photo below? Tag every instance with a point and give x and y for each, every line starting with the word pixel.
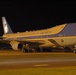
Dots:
pixel 66 41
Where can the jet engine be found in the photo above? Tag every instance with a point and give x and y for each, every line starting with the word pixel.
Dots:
pixel 16 45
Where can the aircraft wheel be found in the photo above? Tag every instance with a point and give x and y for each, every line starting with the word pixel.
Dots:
pixel 74 51
pixel 23 50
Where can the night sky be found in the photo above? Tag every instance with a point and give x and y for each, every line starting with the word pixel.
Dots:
pixel 23 16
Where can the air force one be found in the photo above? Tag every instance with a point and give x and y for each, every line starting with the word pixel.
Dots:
pixel 61 36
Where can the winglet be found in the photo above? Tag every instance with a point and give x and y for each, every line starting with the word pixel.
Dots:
pixel 6 27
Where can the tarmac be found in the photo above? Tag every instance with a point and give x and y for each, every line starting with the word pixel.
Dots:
pixel 10 59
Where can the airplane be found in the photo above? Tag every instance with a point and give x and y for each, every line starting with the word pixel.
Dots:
pixel 60 36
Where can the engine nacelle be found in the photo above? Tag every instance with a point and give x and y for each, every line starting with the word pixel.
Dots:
pixel 16 45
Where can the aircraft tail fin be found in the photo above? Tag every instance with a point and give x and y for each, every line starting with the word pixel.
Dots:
pixel 6 27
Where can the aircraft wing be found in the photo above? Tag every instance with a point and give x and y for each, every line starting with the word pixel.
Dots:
pixel 37 42
pixel 34 42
